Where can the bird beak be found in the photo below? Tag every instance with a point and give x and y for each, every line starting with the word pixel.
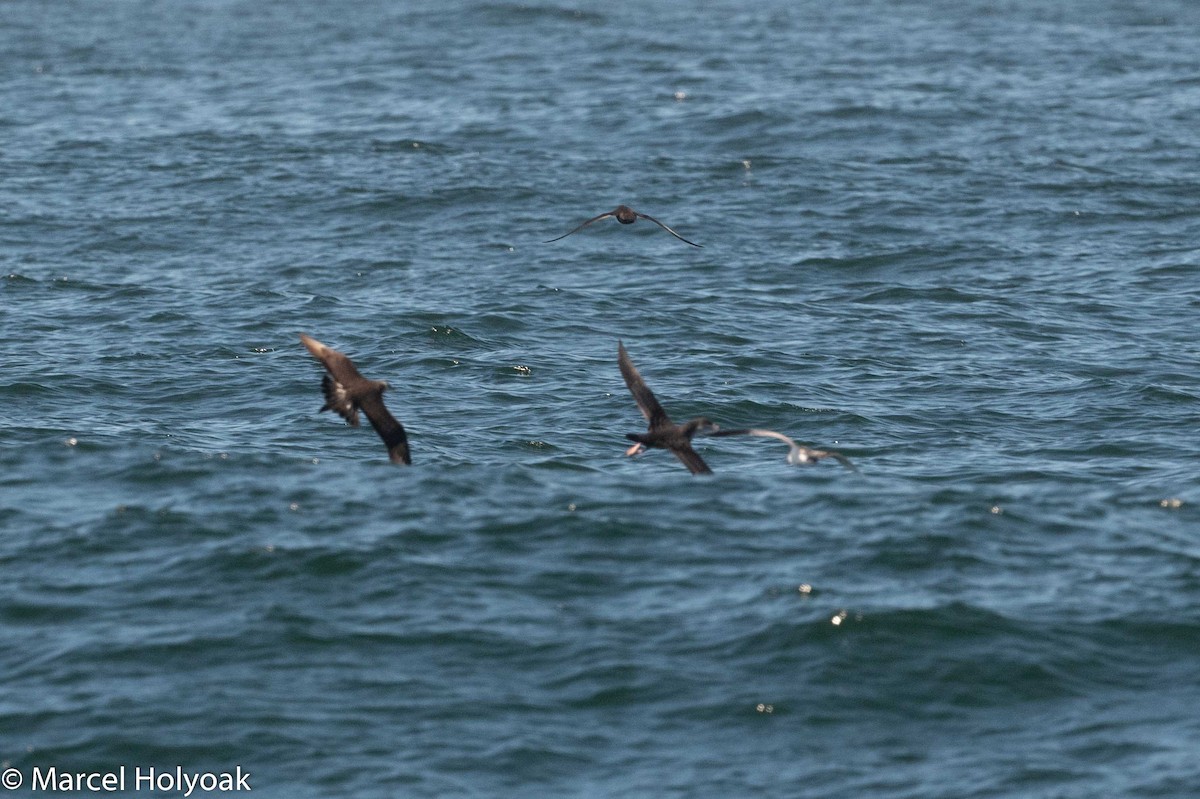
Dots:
pixel 634 450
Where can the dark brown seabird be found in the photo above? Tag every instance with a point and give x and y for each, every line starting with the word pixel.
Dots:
pixel 347 392
pixel 627 216
pixel 663 432
pixel 797 455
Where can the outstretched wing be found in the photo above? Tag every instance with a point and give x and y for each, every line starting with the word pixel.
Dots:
pixel 391 431
pixel 691 459
pixel 581 227
pixel 644 397
pixel 664 227
pixel 341 367
pixel 817 454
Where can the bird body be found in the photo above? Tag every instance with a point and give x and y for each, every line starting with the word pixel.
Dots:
pixel 662 432
pixel 626 216
pixel 797 455
pixel 347 392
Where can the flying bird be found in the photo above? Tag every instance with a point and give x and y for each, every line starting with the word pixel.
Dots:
pixel 626 216
pixel 663 433
pixel 347 392
pixel 797 455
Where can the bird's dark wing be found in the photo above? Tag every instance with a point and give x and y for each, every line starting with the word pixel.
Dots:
pixel 341 367
pixel 649 406
pixel 391 431
pixel 338 399
pixel 664 227
pixel 840 458
pixel 691 459
pixel 581 227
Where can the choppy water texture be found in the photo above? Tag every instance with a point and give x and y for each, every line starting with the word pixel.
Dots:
pixel 955 240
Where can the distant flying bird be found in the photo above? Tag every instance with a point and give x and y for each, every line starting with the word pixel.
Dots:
pixel 663 432
pixel 626 216
pixel 347 392
pixel 797 454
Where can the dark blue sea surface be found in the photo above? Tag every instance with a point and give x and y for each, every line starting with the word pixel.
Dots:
pixel 958 242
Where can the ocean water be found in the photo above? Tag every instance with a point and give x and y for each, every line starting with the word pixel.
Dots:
pixel 957 241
